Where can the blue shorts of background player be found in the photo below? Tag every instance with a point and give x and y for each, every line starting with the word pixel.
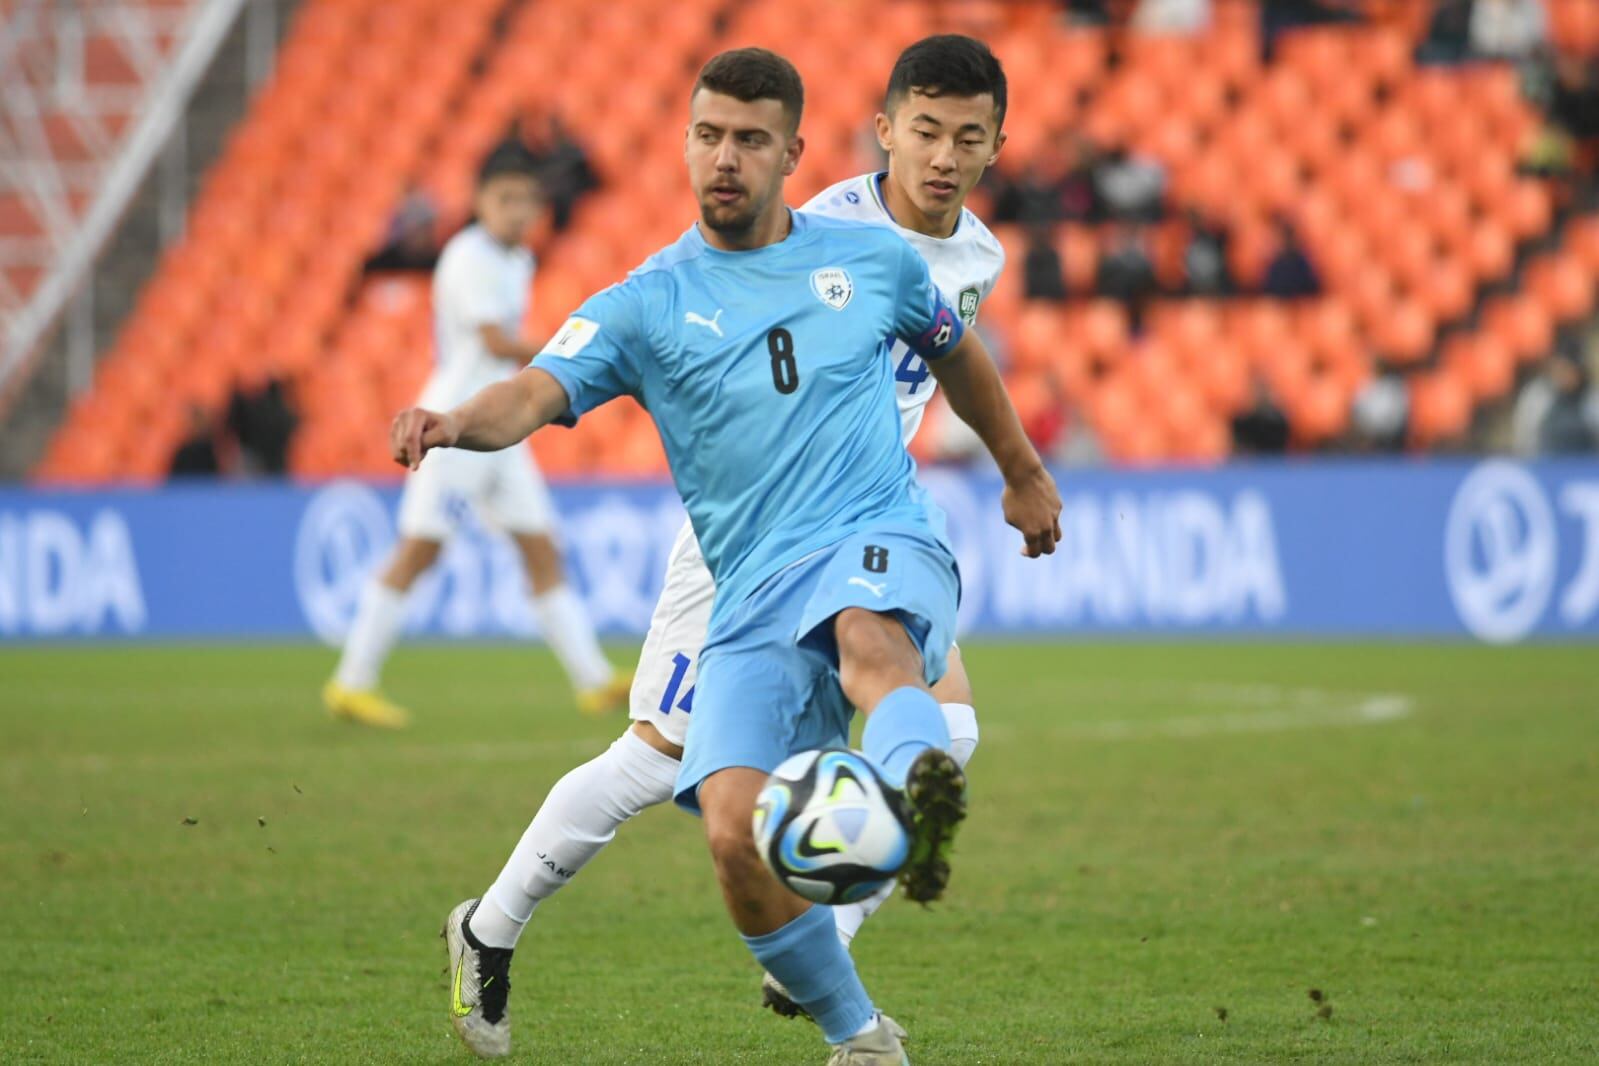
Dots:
pixel 768 674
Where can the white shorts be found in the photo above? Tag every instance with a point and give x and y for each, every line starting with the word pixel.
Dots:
pixel 505 488
pixel 663 685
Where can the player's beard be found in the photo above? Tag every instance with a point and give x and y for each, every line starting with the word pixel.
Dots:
pixel 732 219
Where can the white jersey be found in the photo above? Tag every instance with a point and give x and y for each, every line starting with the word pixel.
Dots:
pixel 479 282
pixel 965 265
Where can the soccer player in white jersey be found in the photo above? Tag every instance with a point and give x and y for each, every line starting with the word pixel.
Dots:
pixel 480 294
pixel 941 127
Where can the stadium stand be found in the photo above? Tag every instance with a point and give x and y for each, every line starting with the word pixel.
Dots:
pixel 1442 261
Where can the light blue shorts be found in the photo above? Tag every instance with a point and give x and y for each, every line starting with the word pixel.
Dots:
pixel 768 674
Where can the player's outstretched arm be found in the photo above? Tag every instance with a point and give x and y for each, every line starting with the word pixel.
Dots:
pixel 977 395
pixel 496 417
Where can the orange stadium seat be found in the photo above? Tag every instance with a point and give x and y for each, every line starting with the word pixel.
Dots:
pixel 1564 285
pixel 1440 407
pixel 1484 363
pixel 1522 324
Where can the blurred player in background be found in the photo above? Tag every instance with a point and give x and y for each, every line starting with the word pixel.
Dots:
pixel 480 295
pixel 941 127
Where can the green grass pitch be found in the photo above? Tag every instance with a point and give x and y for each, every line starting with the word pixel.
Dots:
pixel 1170 847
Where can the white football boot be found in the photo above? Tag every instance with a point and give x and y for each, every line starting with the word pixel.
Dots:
pixel 883 1046
pixel 480 985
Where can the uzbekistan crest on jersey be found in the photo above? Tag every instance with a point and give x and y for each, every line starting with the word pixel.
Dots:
pixel 832 286
pixel 967 306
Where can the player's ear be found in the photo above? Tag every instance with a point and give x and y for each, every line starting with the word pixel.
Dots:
pixel 885 130
pixel 791 154
pixel 999 142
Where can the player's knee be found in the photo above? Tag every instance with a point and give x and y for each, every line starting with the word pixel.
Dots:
pixel 412 557
pixel 542 559
pixel 732 844
pixel 955 686
pixel 727 802
pixel 875 655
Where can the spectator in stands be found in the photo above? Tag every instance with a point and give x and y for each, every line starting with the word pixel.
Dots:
pixel 561 166
pixel 1570 425
pixel 1291 275
pixel 1206 271
pixel 1057 184
pixel 1507 29
pixel 1172 16
pixel 1261 430
pixel 1126 269
pixel 1132 188
pixel 1087 12
pixel 1077 191
pixel 1279 16
pixel 1056 429
pixel 411 243
pixel 1574 109
pixel 197 455
pixel 1380 415
pixel 1042 277
pixel 1448 38
pixel 260 418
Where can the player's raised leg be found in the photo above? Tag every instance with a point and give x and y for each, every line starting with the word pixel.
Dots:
pixel 883 609
pixel 911 734
pixel 954 695
pixel 353 693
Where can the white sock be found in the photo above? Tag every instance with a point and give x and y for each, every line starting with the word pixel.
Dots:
pixel 962 721
pixel 570 635
pixel 378 619
pixel 849 917
pixel 578 818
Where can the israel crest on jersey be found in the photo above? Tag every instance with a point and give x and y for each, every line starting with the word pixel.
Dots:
pixel 968 305
pixel 832 286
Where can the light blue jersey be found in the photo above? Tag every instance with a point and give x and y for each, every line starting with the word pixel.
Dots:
pixel 766 372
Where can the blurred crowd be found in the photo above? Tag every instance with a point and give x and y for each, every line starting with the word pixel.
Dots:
pixel 1123 196
pixel 251 439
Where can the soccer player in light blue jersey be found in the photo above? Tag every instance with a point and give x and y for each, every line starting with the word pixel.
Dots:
pixel 758 343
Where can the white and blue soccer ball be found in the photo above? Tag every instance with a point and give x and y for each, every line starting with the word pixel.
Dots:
pixel 829 826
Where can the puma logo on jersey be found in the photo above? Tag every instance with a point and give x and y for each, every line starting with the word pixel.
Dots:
pixel 694 318
pixel 875 590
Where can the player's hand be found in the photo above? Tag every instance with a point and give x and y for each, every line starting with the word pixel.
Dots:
pixel 1032 504
pixel 417 431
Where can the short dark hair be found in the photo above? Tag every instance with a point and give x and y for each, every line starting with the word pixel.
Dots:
pixel 948 64
pixel 507 158
pixel 750 74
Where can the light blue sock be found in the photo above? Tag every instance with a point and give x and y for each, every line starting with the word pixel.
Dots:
pixel 807 956
pixel 906 723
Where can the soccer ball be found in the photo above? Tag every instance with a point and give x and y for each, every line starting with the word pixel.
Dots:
pixel 829 826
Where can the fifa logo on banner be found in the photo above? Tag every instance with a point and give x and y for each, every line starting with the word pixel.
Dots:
pixel 1502 552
